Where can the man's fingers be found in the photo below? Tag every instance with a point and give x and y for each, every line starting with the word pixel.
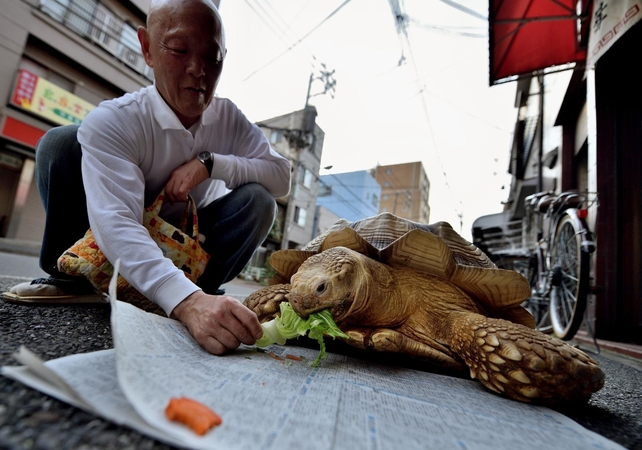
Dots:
pixel 221 343
pixel 240 324
pixel 249 320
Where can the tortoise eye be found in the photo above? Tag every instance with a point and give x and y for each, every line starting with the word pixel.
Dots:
pixel 321 288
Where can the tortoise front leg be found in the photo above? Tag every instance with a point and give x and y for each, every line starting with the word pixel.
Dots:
pixel 265 302
pixel 522 363
pixel 392 341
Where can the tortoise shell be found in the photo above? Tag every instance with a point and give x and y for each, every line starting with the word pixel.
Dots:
pixel 431 249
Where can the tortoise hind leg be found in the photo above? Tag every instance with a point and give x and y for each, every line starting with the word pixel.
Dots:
pixel 265 302
pixel 522 363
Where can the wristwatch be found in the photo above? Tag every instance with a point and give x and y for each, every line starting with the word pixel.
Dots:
pixel 207 159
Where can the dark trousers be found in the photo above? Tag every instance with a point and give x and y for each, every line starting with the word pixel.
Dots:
pixel 234 225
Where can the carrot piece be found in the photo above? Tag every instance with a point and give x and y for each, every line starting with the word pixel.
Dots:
pixel 192 414
pixel 293 357
pixel 275 356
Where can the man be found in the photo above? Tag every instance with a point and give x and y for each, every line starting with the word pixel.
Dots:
pixel 174 135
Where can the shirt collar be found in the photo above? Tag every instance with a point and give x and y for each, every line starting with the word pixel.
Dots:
pixel 168 120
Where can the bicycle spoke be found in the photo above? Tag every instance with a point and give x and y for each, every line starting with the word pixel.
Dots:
pixel 568 276
pixel 563 306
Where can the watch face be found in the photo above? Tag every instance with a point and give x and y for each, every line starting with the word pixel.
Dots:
pixel 204 156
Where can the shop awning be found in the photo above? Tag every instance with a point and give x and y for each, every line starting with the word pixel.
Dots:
pixel 531 35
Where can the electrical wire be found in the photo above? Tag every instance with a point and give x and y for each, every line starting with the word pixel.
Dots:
pixel 464 9
pixel 449 30
pixel 298 41
pixel 401 21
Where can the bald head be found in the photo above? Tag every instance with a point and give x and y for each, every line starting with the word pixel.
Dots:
pixel 161 13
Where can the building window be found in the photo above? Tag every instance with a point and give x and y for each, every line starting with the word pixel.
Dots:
pixel 55 8
pixel 90 18
pixel 81 16
pixel 299 216
pixel 129 48
pixel 275 136
pixel 386 184
pixel 388 171
pixel 386 196
pixel 375 201
pixel 305 177
pixel 107 30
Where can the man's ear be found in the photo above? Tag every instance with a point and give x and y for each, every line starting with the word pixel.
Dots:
pixel 143 37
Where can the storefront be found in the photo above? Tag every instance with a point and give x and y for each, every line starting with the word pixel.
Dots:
pixel 35 105
pixel 601 148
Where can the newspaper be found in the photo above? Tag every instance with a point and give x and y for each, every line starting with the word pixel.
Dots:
pixel 270 403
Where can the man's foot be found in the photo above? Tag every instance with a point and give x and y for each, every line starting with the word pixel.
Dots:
pixel 55 291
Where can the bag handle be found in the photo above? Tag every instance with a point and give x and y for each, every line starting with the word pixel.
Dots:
pixel 190 201
pixel 155 209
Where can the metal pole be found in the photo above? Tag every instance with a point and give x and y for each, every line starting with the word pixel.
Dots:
pixel 307 97
pixel 540 154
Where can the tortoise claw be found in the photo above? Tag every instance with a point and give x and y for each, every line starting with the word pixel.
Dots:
pixel 265 302
pixel 524 364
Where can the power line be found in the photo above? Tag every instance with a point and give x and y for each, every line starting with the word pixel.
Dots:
pixel 401 22
pixel 297 42
pixel 464 9
pixel 279 29
pixel 449 30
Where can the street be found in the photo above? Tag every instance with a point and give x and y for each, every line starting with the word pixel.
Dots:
pixel 30 419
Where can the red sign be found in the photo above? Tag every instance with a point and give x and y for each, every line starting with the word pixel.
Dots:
pixel 25 87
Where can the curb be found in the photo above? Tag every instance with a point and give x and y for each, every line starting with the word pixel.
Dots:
pixel 630 350
pixel 20 246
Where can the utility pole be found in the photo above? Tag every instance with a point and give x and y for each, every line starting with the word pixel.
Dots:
pixel 329 83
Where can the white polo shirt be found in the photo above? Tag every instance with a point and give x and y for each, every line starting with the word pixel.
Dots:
pixel 130 147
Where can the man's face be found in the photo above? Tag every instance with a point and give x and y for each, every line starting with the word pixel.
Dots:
pixel 185 46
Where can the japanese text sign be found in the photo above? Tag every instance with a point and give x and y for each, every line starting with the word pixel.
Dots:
pixel 42 97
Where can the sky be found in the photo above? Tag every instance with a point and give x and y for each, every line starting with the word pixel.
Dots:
pixel 417 91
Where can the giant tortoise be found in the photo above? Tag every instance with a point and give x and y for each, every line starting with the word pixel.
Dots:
pixel 393 285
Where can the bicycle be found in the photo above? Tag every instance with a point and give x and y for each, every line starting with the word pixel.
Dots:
pixel 559 264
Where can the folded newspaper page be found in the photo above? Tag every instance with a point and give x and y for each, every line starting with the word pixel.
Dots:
pixel 269 401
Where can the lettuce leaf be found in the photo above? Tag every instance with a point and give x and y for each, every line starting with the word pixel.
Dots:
pixel 289 325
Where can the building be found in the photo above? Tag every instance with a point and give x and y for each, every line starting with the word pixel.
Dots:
pixel 296 136
pixel 59 60
pixel 351 195
pixel 405 190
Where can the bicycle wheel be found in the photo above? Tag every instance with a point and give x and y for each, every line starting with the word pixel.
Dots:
pixel 569 277
pixel 538 303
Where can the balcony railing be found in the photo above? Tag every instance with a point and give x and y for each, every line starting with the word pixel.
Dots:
pixel 95 22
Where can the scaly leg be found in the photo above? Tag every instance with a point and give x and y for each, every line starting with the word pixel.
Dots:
pixel 265 302
pixel 522 363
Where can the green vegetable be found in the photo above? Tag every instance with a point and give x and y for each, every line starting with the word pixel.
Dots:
pixel 289 325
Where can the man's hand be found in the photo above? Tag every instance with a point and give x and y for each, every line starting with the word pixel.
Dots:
pixel 218 322
pixel 184 179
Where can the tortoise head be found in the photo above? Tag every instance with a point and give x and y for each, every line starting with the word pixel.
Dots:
pixel 325 281
pixel 338 279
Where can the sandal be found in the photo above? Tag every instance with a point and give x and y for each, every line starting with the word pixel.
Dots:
pixel 55 291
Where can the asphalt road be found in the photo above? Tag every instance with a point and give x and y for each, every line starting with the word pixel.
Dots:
pixel 32 420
